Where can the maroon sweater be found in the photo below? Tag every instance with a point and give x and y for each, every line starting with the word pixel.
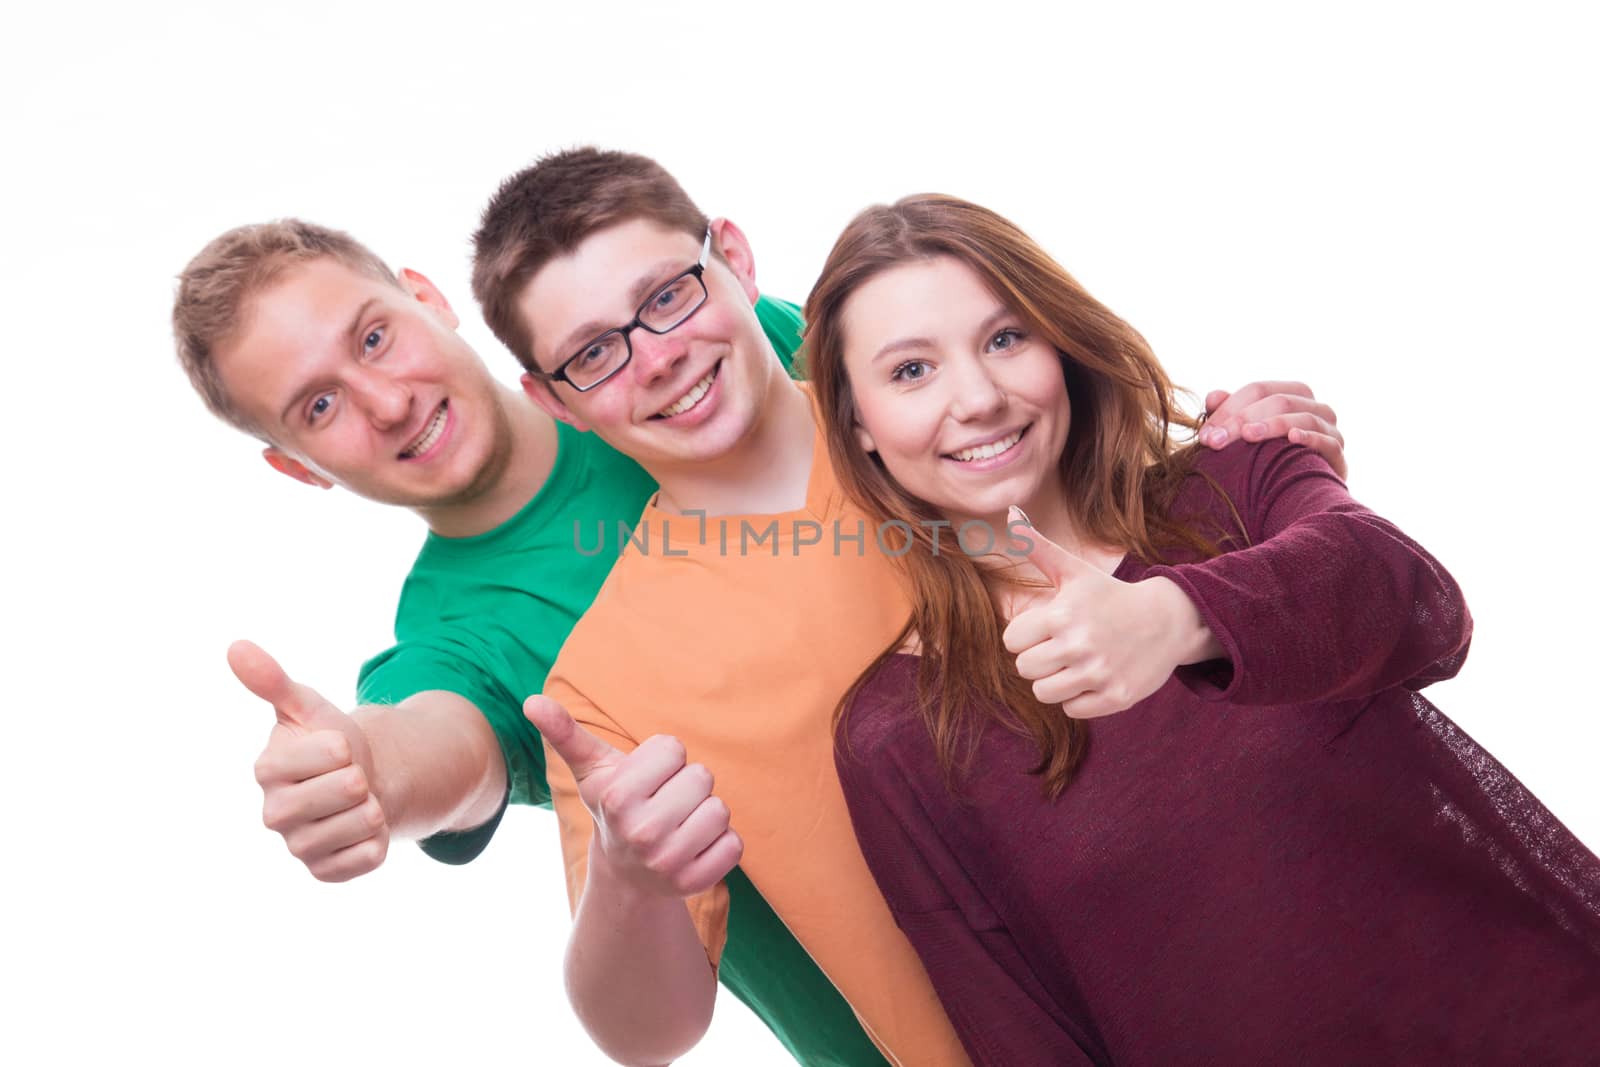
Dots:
pixel 1287 857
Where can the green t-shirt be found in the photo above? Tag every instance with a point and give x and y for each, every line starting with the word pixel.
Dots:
pixel 484 617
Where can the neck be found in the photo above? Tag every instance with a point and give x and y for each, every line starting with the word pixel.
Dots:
pixel 1051 518
pixel 511 480
pixel 765 473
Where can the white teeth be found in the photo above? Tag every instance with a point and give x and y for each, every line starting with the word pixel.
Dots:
pixel 988 451
pixel 429 437
pixel 689 399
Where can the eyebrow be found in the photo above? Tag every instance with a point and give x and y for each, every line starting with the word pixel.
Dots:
pixel 646 282
pixel 351 332
pixel 903 344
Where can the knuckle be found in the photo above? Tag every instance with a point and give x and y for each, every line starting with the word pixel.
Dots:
pixel 717 810
pixel 274 816
pixel 368 855
pixel 613 801
pixel 262 769
pixel 700 775
pixel 353 783
pixel 338 748
pixel 1246 396
pixel 645 838
pixel 372 815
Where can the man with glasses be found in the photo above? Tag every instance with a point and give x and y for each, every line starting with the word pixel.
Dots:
pixel 702 650
pixel 661 312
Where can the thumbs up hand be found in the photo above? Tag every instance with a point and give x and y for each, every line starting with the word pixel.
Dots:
pixel 315 774
pixel 658 825
pixel 1099 645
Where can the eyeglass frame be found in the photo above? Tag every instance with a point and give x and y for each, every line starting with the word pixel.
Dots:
pixel 638 323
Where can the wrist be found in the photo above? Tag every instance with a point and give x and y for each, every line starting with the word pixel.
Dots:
pixel 1191 639
pixel 375 752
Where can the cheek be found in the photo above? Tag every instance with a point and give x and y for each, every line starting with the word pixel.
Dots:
pixel 1041 382
pixel 903 428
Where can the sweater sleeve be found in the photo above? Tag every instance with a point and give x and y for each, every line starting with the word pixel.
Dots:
pixel 995 1002
pixel 1329 601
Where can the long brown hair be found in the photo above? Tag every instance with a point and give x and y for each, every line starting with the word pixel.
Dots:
pixel 1120 468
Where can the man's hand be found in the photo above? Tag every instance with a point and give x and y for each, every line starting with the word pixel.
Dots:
pixel 1263 410
pixel 1099 645
pixel 658 825
pixel 316 774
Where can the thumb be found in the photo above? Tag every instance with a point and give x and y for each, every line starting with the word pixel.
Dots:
pixel 298 706
pixel 1057 564
pixel 583 752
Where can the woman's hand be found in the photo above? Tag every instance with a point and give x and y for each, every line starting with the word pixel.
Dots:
pixel 1099 645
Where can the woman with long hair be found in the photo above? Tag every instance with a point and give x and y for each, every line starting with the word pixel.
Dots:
pixel 1148 776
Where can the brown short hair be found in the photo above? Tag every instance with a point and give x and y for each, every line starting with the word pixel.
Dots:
pixel 214 287
pixel 548 209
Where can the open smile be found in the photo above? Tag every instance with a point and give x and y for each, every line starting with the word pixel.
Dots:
pixel 691 399
pixel 429 435
pixel 991 449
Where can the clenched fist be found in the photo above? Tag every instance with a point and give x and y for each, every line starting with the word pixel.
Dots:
pixel 657 822
pixel 315 774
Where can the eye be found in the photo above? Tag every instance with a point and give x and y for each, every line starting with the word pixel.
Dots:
pixel 1006 340
pixel 912 370
pixel 595 353
pixel 372 340
pixel 319 406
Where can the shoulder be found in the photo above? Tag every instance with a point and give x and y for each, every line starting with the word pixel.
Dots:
pixel 1240 479
pixel 881 718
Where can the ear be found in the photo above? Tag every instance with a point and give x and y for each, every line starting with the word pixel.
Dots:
pixel 426 293
pixel 864 439
pixel 286 464
pixel 543 393
pixel 735 248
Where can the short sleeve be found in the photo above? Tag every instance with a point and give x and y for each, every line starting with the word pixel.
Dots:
pixel 708 910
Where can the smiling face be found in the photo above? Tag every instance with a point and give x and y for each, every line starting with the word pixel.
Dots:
pixel 686 397
pixel 366 385
pixel 965 407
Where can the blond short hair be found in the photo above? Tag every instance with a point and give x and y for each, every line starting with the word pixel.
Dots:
pixel 214 288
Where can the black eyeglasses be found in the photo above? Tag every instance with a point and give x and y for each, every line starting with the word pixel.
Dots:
pixel 664 310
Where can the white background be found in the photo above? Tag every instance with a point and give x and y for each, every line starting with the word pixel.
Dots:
pixel 1393 202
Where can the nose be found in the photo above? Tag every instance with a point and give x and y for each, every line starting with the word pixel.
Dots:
pixel 385 399
pixel 975 395
pixel 657 356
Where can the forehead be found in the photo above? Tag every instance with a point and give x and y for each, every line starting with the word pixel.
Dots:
pixel 290 328
pixel 920 297
pixel 597 283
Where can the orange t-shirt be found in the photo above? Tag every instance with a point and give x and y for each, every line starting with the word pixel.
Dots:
pixel 739 639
